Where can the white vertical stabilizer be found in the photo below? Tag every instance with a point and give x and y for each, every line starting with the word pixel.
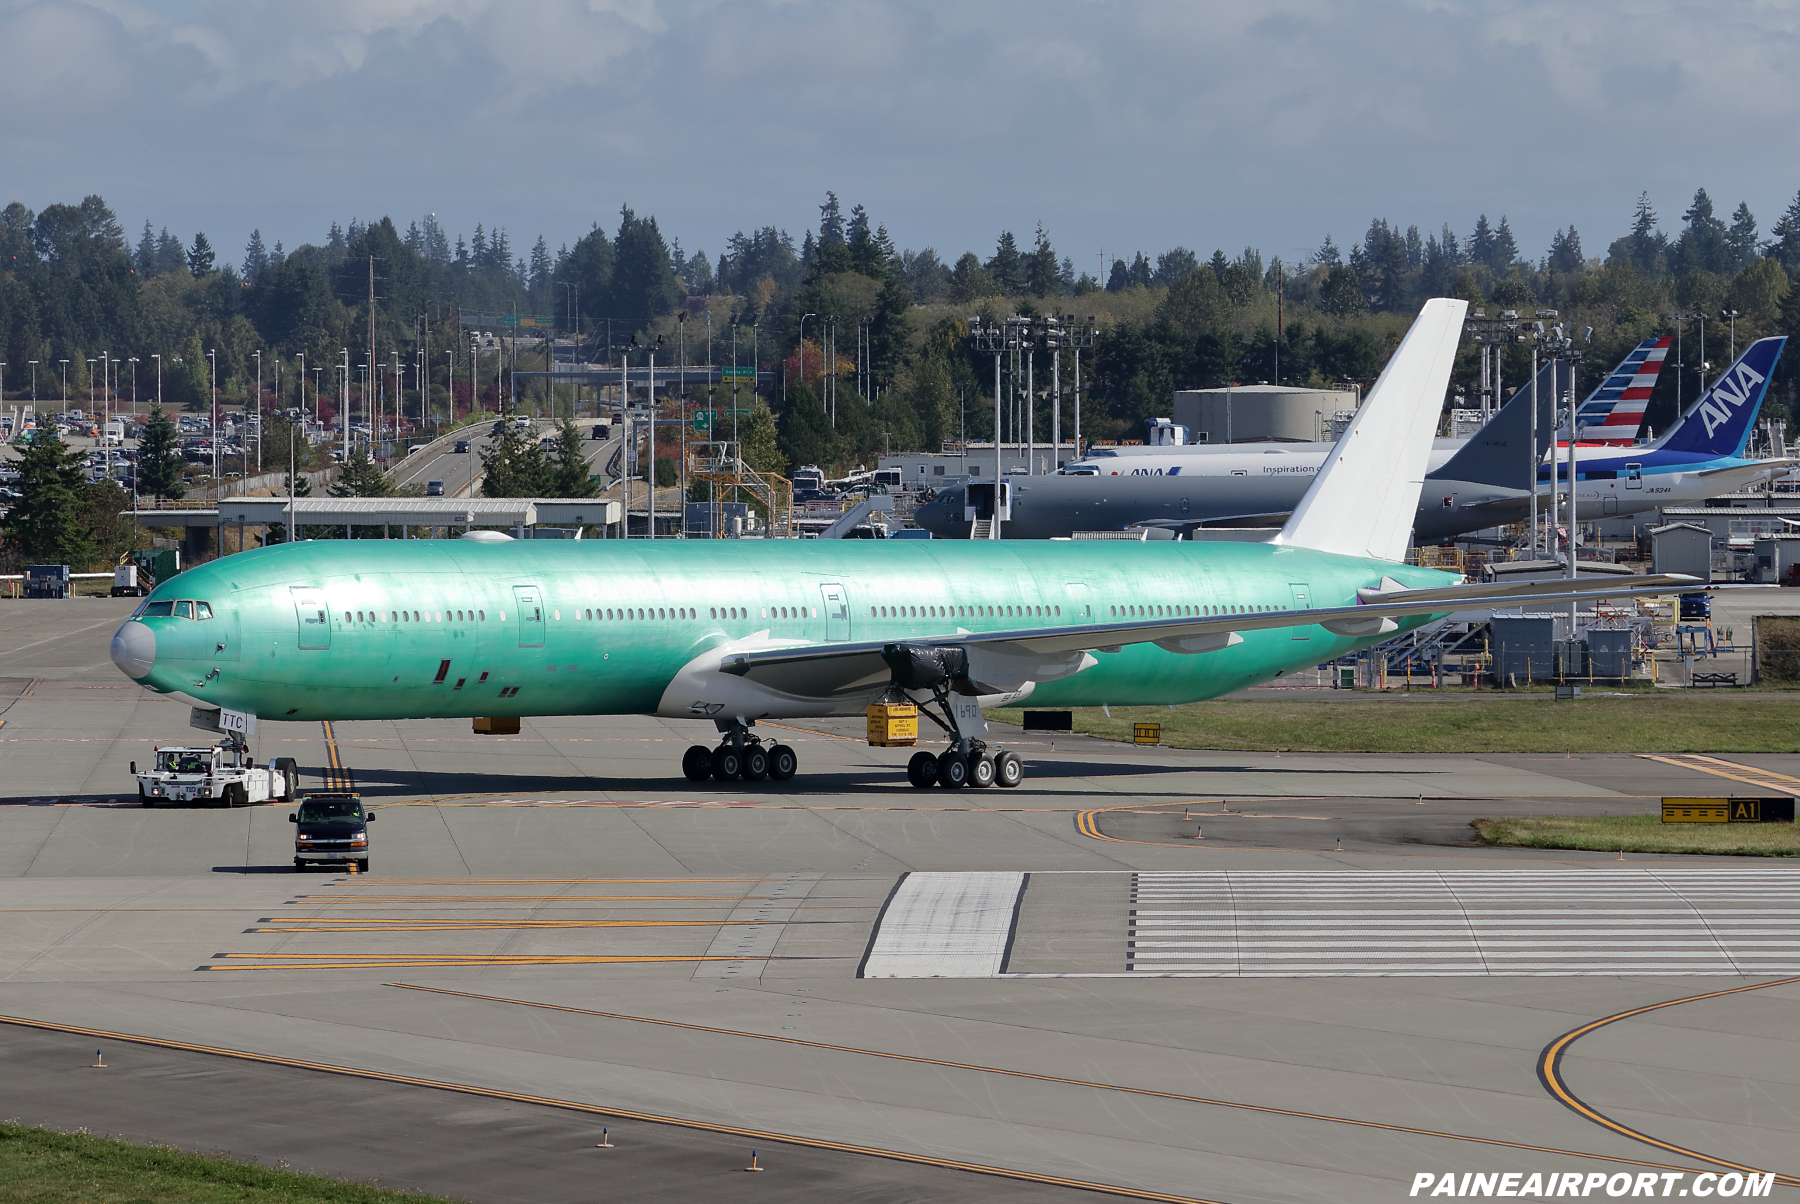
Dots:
pixel 1363 501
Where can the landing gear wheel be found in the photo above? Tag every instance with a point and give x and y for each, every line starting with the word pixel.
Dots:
pixel 728 764
pixel 1009 771
pixel 981 771
pixel 783 764
pixel 922 770
pixel 756 764
pixel 952 770
pixel 697 763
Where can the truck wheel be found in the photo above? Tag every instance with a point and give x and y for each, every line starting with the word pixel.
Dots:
pixel 235 796
pixel 299 866
pixel 143 799
pixel 362 867
pixel 290 776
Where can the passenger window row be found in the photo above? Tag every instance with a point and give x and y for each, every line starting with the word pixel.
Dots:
pixel 414 616
pixel 1188 611
pixel 965 612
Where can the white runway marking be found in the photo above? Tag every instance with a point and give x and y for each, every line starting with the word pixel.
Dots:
pixel 1263 924
pixel 945 925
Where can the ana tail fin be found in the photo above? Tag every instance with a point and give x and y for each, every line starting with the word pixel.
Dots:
pixel 1363 501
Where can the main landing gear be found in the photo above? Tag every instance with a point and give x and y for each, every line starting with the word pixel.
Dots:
pixel 959 766
pixel 740 755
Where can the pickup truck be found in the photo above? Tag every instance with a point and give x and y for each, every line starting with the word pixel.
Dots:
pixel 331 829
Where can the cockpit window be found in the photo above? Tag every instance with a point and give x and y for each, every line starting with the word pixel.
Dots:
pixel 205 610
pixel 154 610
pixel 184 610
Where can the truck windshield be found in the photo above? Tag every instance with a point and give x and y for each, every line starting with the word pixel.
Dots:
pixel 183 762
pixel 330 811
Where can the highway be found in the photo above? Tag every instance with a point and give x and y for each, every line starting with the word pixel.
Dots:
pixel 461 471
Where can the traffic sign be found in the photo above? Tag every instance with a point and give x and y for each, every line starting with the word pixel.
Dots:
pixel 703 420
pixel 509 319
pixel 741 373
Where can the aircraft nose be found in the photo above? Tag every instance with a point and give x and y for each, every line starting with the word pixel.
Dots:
pixel 134 650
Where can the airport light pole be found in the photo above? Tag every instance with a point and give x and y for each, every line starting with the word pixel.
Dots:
pixel 1731 315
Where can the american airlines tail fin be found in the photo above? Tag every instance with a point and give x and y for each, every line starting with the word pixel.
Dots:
pixel 1500 453
pixel 1613 412
pixel 1364 499
pixel 1720 422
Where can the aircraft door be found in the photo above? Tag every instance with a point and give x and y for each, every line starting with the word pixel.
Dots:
pixel 837 611
pixel 1302 596
pixel 1634 476
pixel 313 619
pixel 1079 610
pixel 531 615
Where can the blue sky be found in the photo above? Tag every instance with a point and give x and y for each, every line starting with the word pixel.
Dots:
pixel 1119 126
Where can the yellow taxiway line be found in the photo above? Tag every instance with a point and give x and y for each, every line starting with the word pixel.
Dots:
pixel 1779 783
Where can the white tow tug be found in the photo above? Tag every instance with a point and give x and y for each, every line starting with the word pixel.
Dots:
pixel 219 775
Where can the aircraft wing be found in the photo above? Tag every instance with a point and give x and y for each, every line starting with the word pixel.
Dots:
pixel 1004 660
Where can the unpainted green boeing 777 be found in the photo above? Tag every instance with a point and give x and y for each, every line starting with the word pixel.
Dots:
pixel 737 631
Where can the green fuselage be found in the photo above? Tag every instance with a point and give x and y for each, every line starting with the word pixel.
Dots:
pixel 454 628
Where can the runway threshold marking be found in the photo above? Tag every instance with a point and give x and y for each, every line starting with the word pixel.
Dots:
pixel 1765 779
pixel 1041 1078
pixel 811 1143
pixel 1549 1069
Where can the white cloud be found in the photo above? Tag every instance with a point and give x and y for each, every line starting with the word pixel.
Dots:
pixel 1119 124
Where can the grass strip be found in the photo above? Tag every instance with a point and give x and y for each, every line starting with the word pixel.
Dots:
pixel 1641 834
pixel 43 1166
pixel 1662 722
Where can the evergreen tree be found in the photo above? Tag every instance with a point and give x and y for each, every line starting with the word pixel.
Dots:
pixel 643 286
pixel 1141 274
pixel 1328 255
pixel 513 464
pixel 759 441
pixel 170 255
pixel 1119 279
pixel 1565 251
pixel 361 478
pixel 1785 248
pixel 200 257
pixel 1740 239
pixel 1702 245
pixel 831 220
pixel 159 458
pixel 1174 266
pixel 256 257
pixel 145 258
pixel 1506 248
pixel 1342 294
pixel 1645 245
pixel 1006 267
pixel 44 525
pixel 804 430
pixel 567 474
pixel 1481 243
pixel 1043 274
pixel 539 273
pixel 969 281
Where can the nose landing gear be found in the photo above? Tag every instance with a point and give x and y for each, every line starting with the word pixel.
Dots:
pixel 741 755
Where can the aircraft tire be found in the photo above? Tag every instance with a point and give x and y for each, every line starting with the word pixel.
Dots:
pixel 756 764
pixel 728 765
pixel 1009 771
pixel 981 771
pixel 783 764
pixel 697 763
pixel 921 771
pixel 952 770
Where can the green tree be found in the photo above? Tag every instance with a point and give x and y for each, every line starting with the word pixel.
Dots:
pixel 1342 294
pixel 159 458
pixel 969 281
pixel 513 465
pixel 200 257
pixel 45 524
pixel 643 282
pixel 568 471
pixel 760 442
pixel 361 478
pixel 804 429
pixel 185 380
